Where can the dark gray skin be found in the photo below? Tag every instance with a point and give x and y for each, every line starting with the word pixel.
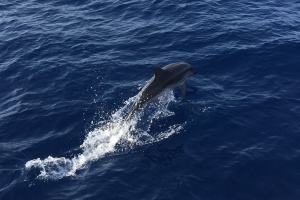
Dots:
pixel 164 79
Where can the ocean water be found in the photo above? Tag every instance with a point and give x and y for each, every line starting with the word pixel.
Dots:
pixel 70 70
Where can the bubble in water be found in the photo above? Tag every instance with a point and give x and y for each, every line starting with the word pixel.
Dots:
pixel 113 136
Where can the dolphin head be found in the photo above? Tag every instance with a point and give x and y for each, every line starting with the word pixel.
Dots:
pixel 179 68
pixel 179 72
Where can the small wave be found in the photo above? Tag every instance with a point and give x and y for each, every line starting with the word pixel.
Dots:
pixel 113 136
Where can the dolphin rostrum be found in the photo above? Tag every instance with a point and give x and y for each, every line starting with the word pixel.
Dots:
pixel 164 79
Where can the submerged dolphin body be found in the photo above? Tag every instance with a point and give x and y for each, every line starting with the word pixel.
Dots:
pixel 164 79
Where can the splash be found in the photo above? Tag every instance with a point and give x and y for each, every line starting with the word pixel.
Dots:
pixel 112 136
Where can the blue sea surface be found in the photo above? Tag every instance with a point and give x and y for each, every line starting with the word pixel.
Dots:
pixel 71 70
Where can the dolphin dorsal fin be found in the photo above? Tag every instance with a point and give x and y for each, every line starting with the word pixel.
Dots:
pixel 158 71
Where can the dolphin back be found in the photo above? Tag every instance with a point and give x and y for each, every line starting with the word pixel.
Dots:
pixel 166 78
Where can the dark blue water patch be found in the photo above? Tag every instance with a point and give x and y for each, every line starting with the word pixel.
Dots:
pixel 263 171
pixel 67 65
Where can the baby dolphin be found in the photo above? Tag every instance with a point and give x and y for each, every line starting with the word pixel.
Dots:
pixel 164 79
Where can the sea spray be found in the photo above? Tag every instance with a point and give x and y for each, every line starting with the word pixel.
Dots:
pixel 113 136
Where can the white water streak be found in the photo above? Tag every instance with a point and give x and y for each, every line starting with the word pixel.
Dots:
pixel 114 136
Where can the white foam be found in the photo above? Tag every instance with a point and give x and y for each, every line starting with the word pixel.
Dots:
pixel 113 136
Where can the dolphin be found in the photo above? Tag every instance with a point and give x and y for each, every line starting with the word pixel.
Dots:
pixel 164 79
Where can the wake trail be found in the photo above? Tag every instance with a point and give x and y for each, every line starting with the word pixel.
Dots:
pixel 112 136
